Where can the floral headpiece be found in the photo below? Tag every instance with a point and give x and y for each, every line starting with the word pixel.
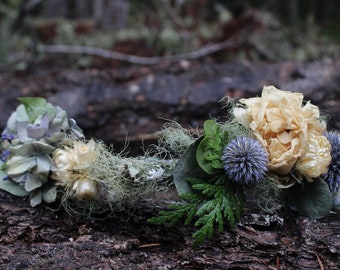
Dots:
pixel 273 151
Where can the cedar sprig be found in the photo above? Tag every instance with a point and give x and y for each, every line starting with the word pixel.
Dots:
pixel 212 204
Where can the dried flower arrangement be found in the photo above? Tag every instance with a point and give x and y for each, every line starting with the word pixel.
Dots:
pixel 275 148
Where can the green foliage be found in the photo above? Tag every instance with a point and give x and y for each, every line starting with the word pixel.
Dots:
pixel 10 186
pixel 210 198
pixel 311 199
pixel 186 168
pixel 210 150
pixel 36 106
pixel 212 203
pixel 179 211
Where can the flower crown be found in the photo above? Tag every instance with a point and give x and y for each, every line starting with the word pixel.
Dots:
pixel 273 150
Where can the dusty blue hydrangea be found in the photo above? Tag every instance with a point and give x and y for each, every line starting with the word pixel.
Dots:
pixel 33 131
pixel 245 161
pixel 4 155
pixel 332 177
pixel 4 143
pixel 7 137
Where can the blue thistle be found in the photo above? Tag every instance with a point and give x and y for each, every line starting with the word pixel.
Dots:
pixel 245 161
pixel 332 177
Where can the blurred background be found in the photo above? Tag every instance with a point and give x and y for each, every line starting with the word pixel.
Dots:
pixel 80 55
pixel 279 29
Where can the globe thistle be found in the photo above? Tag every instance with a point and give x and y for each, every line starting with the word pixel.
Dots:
pixel 245 161
pixel 332 176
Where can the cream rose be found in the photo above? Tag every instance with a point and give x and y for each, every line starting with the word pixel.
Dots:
pixel 316 159
pixel 280 121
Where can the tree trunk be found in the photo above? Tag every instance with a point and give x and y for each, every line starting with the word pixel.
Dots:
pixel 42 238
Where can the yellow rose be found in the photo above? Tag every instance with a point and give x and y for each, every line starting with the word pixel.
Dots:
pixel 282 124
pixel 311 114
pixel 316 159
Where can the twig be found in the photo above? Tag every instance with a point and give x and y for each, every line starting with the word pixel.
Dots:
pixel 320 263
pixel 149 245
pixel 94 51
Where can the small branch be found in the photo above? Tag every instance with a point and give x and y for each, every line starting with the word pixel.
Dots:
pixel 320 263
pixel 133 59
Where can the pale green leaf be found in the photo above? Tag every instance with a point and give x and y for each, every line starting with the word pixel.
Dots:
pixel 49 193
pixel 36 198
pixel 56 137
pixel 43 165
pixel 36 106
pixel 23 150
pixel 18 165
pixel 32 183
pixel 43 168
pixel 20 114
pixel 42 148
pixel 33 147
pixel 10 186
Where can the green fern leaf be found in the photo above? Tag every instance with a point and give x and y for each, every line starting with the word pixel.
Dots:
pixel 179 211
pixel 213 203
pixel 209 151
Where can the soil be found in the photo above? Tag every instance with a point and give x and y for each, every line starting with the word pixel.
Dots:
pixel 109 103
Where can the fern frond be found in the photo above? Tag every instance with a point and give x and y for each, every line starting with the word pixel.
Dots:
pixel 194 201
pixel 213 202
pixel 175 213
pixel 206 231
